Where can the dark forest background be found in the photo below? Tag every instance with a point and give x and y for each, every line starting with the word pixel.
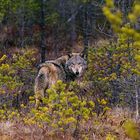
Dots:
pixel 55 26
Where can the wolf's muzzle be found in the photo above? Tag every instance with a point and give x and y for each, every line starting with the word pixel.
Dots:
pixel 77 73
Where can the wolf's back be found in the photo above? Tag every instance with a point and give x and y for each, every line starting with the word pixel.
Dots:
pixel 48 75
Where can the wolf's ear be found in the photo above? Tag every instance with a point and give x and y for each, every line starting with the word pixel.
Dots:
pixel 82 54
pixel 70 55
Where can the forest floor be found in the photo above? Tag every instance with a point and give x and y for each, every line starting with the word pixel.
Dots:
pixel 110 126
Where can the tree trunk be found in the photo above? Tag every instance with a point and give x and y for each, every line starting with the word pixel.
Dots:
pixel 43 42
pixel 86 28
pixel 22 23
pixel 73 26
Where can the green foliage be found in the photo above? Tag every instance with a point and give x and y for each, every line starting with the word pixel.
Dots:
pixel 110 61
pixel 131 130
pixel 3 7
pixel 104 67
pixel 62 109
pixel 110 137
pixel 9 8
pixel 7 82
pixel 14 73
pixel 128 37
pixel 114 63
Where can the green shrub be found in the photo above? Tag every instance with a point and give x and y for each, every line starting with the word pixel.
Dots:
pixel 62 110
pixel 15 72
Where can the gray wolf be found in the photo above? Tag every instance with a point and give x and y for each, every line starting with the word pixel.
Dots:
pixel 66 68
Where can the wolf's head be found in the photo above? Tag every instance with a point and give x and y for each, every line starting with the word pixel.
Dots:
pixel 76 65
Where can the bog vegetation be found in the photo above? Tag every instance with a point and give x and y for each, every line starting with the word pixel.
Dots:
pixel 103 106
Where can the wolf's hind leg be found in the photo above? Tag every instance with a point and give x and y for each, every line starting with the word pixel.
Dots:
pixel 39 88
pixel 38 96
